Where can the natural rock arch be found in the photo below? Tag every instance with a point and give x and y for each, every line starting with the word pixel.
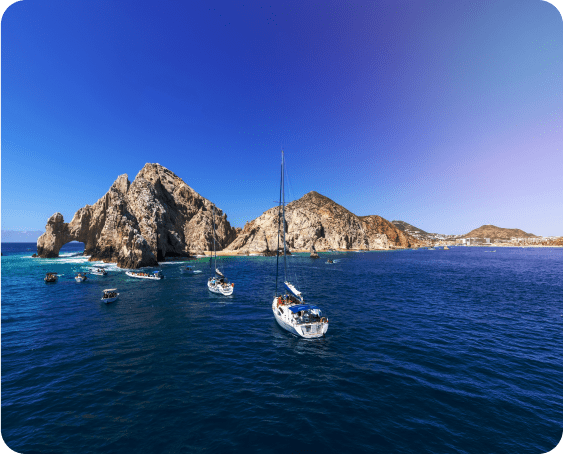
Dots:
pixel 136 224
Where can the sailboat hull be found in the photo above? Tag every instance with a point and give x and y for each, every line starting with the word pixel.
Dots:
pixel 219 289
pixel 307 331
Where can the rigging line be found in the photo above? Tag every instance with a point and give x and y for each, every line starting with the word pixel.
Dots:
pixel 291 196
pixel 278 242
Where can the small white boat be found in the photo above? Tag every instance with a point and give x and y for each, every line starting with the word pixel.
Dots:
pixel 109 295
pixel 98 271
pixel 80 277
pixel 51 277
pixel 155 275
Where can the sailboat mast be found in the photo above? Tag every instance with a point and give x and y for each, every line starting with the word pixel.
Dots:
pixel 284 218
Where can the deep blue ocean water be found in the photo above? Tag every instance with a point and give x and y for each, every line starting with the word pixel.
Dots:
pixel 427 352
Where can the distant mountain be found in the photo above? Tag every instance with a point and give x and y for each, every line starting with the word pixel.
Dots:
pixel 491 231
pixel 15 236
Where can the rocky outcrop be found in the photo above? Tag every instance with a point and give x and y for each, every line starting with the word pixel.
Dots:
pixel 382 234
pixel 317 222
pixel 313 219
pixel 313 253
pixel 140 223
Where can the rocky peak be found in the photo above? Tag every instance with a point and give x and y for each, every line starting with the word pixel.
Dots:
pixel 140 223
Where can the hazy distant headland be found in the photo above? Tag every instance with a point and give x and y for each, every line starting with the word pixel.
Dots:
pixel 16 236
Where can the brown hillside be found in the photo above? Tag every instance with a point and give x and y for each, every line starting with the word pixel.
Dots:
pixel 491 231
pixel 374 224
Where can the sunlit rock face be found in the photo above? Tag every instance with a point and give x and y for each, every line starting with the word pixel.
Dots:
pixel 140 223
pixel 315 221
pixel 382 234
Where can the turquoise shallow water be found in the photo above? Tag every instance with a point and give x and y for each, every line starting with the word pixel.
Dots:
pixel 427 351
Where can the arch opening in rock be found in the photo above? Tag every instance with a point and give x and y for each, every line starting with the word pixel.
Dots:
pixel 72 248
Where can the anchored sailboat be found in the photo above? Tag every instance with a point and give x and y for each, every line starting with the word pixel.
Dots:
pixel 289 308
pixel 218 283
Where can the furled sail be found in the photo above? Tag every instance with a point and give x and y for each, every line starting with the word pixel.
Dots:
pixel 219 272
pixel 294 290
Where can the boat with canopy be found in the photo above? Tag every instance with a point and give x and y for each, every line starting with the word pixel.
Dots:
pixel 289 308
pixel 109 295
pixel 218 283
pixel 155 275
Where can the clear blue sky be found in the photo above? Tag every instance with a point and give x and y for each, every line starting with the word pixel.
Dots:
pixel 447 115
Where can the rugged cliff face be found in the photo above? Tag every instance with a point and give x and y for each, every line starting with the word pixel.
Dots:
pixel 377 228
pixel 138 224
pixel 315 220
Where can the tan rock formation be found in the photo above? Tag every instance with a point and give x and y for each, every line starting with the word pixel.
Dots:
pixel 139 224
pixel 383 234
pixel 315 221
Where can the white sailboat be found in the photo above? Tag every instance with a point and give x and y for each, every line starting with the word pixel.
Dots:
pixel 289 308
pixel 218 283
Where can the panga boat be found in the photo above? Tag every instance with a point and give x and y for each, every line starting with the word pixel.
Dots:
pixel 80 277
pixel 329 261
pixel 289 309
pixel 109 295
pixel 98 271
pixel 51 277
pixel 155 275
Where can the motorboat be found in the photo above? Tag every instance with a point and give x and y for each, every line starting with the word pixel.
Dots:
pixel 80 277
pixel 98 271
pixel 155 275
pixel 51 277
pixel 288 307
pixel 109 295
pixel 329 261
